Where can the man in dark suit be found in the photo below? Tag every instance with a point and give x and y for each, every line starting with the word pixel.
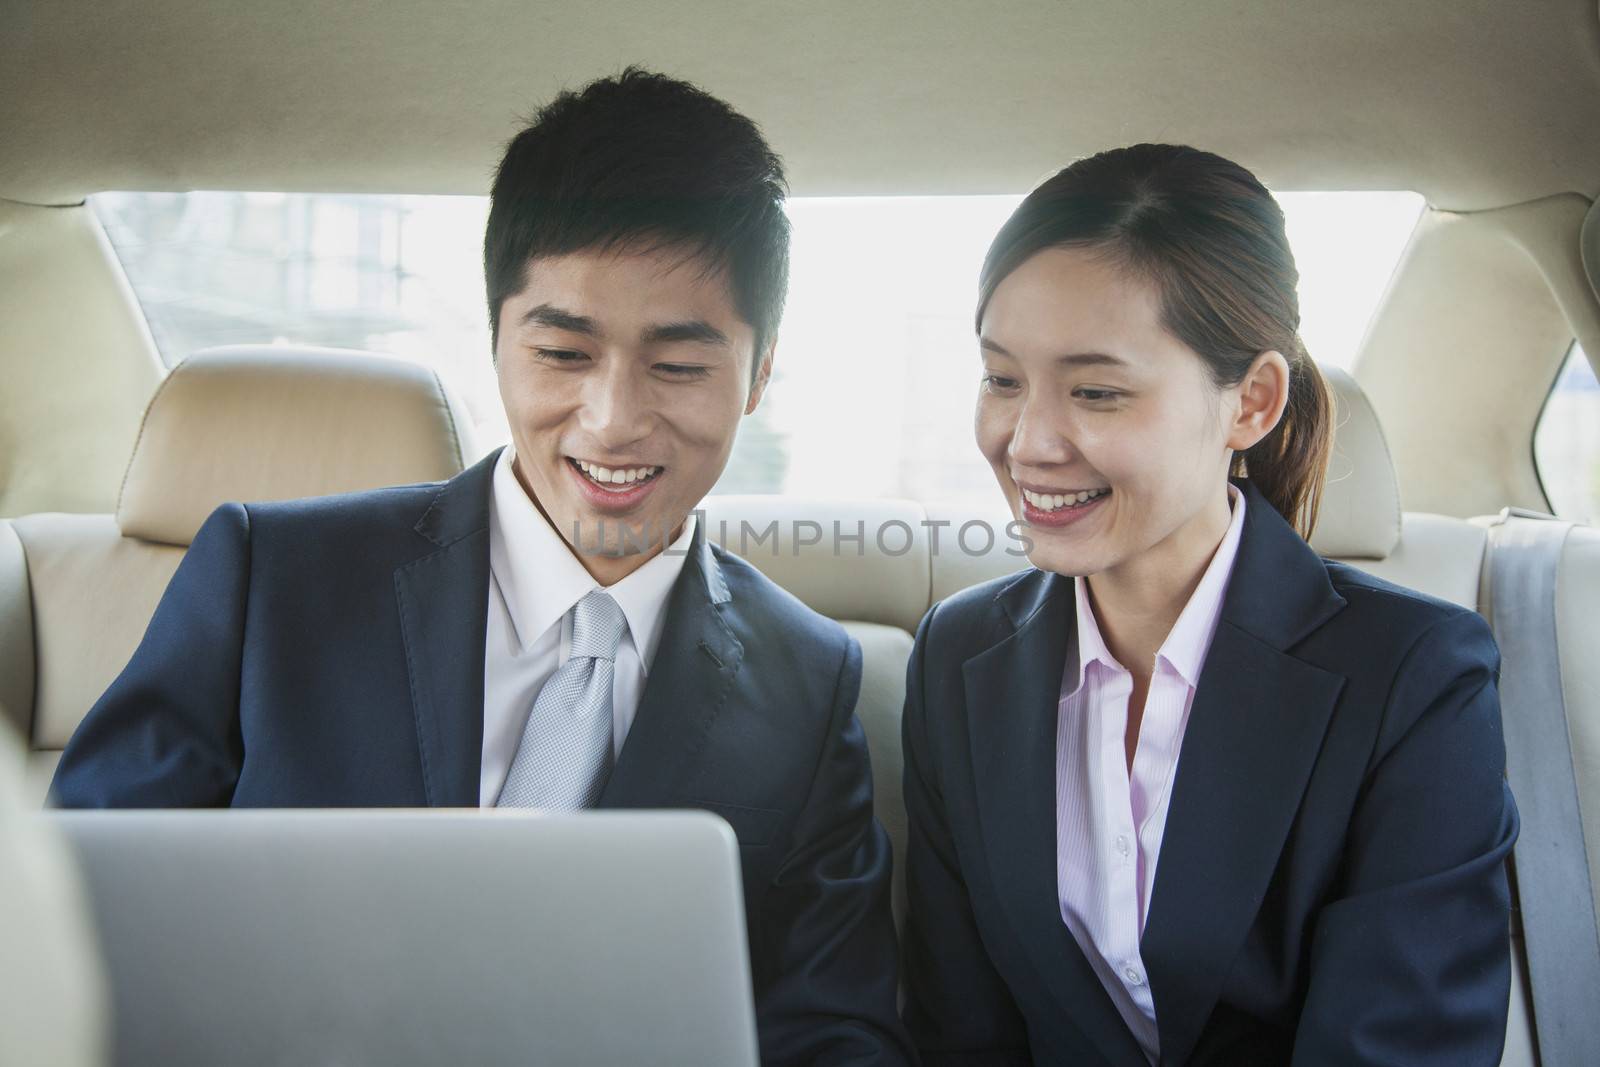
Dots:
pixel 551 628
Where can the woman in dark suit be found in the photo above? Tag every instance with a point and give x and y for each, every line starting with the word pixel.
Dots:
pixel 1186 793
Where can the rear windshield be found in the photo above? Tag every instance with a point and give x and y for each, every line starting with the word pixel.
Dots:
pixel 1566 444
pixel 877 330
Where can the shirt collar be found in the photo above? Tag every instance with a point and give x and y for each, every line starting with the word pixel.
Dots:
pixel 1190 637
pixel 540 579
pixel 1091 644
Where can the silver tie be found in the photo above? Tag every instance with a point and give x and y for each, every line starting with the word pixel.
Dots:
pixel 564 757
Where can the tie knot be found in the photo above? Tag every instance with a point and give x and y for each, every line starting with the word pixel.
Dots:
pixel 597 626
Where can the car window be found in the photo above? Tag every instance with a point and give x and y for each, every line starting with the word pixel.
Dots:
pixel 877 333
pixel 1566 442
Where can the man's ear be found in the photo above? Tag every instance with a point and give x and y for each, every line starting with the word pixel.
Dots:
pixel 1263 394
pixel 763 376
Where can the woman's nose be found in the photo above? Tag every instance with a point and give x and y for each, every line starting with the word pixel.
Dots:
pixel 1040 437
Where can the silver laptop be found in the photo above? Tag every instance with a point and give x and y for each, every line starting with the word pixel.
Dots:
pixel 401 938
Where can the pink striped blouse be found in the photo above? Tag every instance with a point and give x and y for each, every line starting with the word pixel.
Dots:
pixel 1109 822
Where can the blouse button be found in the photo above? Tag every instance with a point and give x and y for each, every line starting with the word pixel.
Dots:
pixel 1133 976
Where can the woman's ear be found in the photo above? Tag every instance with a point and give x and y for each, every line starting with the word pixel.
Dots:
pixel 763 376
pixel 1263 394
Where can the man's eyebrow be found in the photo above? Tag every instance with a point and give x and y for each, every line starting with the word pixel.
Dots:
pixel 1074 359
pixel 697 330
pixel 556 319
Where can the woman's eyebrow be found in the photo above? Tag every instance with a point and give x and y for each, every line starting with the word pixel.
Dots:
pixel 1072 359
pixel 1091 359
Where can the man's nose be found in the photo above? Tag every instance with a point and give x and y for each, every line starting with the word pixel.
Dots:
pixel 616 407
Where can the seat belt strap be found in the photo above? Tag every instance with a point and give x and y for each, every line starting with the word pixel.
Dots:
pixel 1551 858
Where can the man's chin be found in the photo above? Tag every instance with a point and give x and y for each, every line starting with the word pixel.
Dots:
pixel 611 537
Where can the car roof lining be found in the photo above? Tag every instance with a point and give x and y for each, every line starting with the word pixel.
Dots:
pixel 1474 105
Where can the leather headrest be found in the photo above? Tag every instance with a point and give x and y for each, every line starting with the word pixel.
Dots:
pixel 263 422
pixel 1360 513
pixel 864 560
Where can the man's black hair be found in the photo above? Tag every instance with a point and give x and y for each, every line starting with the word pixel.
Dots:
pixel 643 158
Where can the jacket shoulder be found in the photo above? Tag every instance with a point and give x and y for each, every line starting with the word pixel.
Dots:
pixel 347 537
pixel 1403 611
pixel 384 507
pixel 1408 650
pixel 968 619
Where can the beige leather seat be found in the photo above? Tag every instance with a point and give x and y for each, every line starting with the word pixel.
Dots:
pixel 243 423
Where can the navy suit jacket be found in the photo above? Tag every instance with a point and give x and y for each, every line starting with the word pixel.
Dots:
pixel 330 652
pixel 1331 887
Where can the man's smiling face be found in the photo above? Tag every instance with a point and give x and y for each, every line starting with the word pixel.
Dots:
pixel 624 375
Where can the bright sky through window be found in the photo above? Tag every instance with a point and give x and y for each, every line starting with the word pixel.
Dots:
pixel 877 367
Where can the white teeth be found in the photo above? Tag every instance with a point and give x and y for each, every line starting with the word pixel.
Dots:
pixel 618 475
pixel 1054 501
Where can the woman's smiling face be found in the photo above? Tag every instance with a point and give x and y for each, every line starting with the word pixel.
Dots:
pixel 1106 432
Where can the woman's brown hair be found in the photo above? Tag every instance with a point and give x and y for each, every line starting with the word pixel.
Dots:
pixel 1211 238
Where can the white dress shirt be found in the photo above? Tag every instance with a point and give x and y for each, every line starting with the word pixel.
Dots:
pixel 1109 822
pixel 534 580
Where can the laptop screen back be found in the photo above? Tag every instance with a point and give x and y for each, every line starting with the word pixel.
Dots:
pixel 420 937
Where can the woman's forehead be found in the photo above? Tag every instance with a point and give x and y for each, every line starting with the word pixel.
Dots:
pixel 1063 301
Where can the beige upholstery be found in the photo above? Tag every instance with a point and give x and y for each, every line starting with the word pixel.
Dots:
pixel 884 652
pixel 246 424
pixel 93 594
pixel 967 560
pixel 53 1002
pixel 263 423
pixel 1360 513
pixel 16 626
pixel 1578 646
pixel 1472 111
pixel 37 774
pixel 809 546
pixel 1437 555
pixel 79 364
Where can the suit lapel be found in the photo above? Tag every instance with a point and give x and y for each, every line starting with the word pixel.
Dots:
pixel 1254 733
pixel 1013 690
pixel 443 603
pixel 690 679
